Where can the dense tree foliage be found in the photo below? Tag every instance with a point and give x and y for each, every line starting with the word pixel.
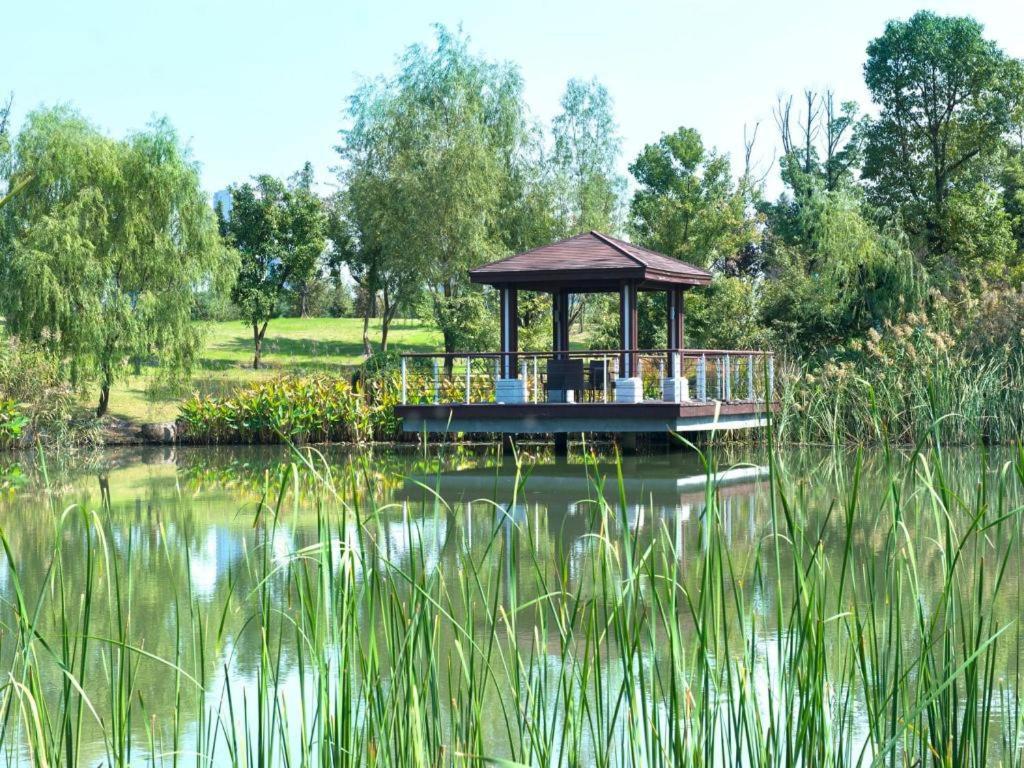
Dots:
pixel 688 205
pixel 104 246
pixel 909 221
pixel 946 99
pixel 278 230
pixel 586 153
pixel 427 156
pixel 838 280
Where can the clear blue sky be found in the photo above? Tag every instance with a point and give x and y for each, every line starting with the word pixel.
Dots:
pixel 258 86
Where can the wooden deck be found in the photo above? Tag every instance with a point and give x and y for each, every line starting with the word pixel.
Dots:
pixel 555 418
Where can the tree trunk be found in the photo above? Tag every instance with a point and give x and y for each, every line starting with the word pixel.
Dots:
pixel 449 348
pixel 387 314
pixel 257 341
pixel 367 349
pixel 447 335
pixel 101 408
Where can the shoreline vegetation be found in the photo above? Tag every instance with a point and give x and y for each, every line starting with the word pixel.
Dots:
pixel 885 276
pixel 347 614
pixel 637 648
pixel 904 385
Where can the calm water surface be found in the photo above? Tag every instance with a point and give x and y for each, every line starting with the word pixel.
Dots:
pixel 184 522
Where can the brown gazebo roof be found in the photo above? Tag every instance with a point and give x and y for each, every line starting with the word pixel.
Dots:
pixel 589 261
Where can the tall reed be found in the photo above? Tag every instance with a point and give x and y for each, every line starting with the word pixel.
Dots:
pixel 844 633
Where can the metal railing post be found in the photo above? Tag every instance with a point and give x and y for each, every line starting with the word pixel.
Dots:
pixel 604 378
pixel 771 380
pixel 702 378
pixel 469 367
pixel 535 379
pixel 405 388
pixel 728 378
pixel 437 382
pixel 750 378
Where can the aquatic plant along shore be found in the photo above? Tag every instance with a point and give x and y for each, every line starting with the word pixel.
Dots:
pixel 356 616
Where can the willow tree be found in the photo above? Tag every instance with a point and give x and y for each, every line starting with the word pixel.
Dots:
pixel 105 247
pixel 587 148
pixel 432 148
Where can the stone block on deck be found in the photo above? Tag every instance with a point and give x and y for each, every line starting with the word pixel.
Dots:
pixel 629 390
pixel 510 391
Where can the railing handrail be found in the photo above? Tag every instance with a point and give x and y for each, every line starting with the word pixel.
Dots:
pixel 720 368
pixel 686 352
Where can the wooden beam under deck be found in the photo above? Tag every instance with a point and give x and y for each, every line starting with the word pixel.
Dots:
pixel 554 418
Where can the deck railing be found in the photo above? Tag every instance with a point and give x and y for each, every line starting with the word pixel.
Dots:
pixel 471 377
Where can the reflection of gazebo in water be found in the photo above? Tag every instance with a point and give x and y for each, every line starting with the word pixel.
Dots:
pixel 665 494
pixel 570 390
pixel 561 486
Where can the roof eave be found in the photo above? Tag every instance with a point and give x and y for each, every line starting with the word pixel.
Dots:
pixel 658 276
pixel 556 277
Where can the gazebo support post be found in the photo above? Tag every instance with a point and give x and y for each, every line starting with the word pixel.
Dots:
pixel 628 386
pixel 509 388
pixel 559 342
pixel 560 323
pixel 675 387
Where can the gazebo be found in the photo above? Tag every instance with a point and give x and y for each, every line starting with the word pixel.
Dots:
pixel 513 391
pixel 593 263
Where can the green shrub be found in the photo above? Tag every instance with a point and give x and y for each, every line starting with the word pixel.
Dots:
pixel 295 409
pixel 33 383
pixel 12 423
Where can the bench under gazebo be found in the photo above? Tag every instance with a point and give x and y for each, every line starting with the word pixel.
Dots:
pixel 564 390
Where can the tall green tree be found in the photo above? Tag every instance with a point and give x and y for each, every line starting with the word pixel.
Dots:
pixel 844 279
pixel 1012 183
pixel 279 232
pixel 304 285
pixel 945 99
pixel 587 149
pixel 687 204
pixel 105 247
pixel 821 143
pixel 384 272
pixel 530 215
pixel 437 140
pixel 5 150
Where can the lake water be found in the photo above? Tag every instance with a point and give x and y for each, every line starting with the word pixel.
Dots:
pixel 181 555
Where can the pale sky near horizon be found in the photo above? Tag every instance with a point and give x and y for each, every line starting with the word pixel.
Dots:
pixel 261 87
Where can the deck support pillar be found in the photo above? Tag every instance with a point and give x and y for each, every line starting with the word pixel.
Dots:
pixel 627 443
pixel 509 333
pixel 676 329
pixel 628 331
pixel 560 322
pixel 561 444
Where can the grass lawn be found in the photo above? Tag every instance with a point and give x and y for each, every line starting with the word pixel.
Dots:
pixel 292 345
